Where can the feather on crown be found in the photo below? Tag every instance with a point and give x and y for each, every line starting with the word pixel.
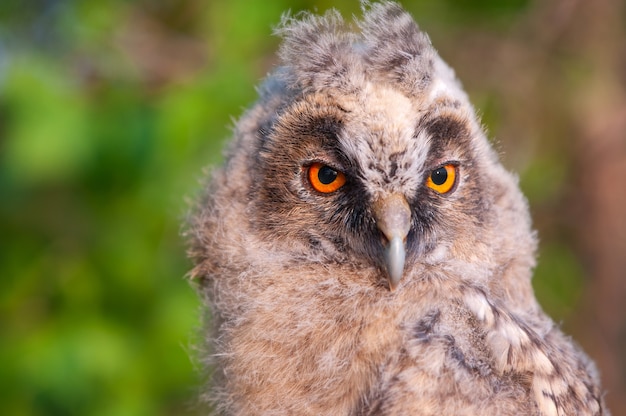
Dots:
pixel 320 52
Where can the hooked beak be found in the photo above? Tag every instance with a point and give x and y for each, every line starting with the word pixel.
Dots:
pixel 393 218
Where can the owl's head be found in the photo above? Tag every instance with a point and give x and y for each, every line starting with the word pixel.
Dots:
pixel 363 154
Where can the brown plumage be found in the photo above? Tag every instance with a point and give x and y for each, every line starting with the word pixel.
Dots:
pixel 362 251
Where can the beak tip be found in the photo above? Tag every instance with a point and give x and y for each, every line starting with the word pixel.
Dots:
pixel 395 256
pixel 394 281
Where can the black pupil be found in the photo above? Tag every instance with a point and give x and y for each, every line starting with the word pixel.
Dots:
pixel 327 175
pixel 439 176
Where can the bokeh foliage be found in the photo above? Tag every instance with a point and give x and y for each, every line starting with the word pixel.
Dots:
pixel 109 111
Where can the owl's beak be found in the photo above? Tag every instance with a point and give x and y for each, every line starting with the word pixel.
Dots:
pixel 393 218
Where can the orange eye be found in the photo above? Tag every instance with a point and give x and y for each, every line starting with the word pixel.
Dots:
pixel 325 179
pixel 442 179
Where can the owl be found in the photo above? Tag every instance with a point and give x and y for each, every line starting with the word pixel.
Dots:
pixel 362 251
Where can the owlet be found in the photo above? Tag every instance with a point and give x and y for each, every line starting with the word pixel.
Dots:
pixel 362 251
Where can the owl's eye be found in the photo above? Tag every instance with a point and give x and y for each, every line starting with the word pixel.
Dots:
pixel 442 179
pixel 325 179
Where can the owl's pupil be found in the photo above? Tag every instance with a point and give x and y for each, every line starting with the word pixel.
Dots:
pixel 439 176
pixel 327 175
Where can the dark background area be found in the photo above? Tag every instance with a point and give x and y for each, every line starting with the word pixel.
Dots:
pixel 110 111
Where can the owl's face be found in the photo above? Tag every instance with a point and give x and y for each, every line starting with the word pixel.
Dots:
pixel 374 178
pixel 366 152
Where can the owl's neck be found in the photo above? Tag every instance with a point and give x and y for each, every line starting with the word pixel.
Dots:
pixel 325 343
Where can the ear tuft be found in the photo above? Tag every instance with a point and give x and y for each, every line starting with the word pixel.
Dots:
pixel 317 52
pixel 397 49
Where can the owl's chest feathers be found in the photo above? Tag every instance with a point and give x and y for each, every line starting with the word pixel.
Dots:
pixel 329 349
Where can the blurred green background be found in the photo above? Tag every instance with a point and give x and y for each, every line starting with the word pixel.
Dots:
pixel 110 111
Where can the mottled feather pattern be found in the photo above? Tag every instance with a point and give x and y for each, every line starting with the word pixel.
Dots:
pixel 306 311
pixel 560 386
